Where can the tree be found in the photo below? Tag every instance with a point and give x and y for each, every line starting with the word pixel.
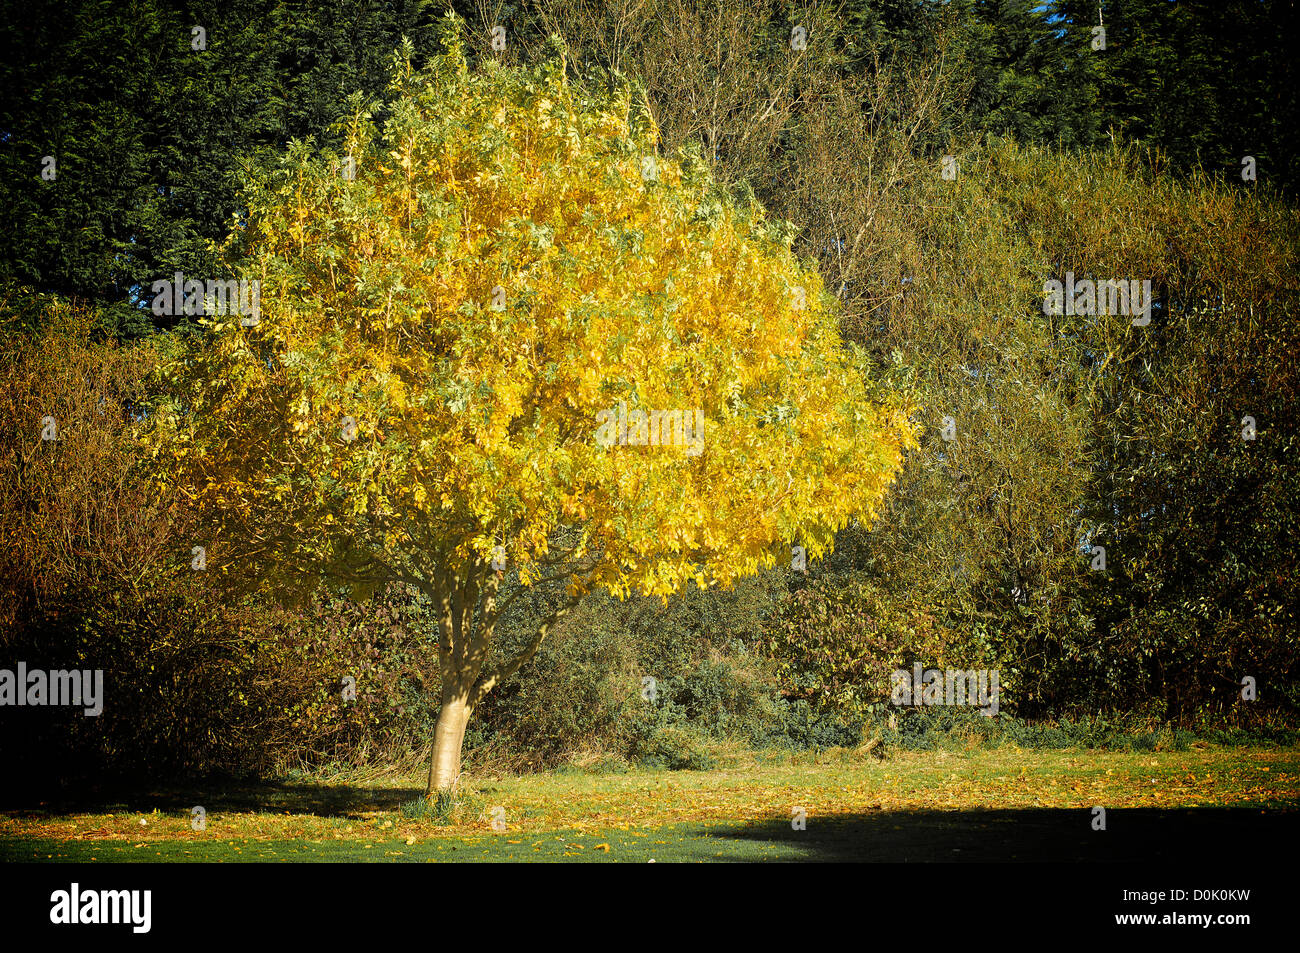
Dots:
pixel 147 147
pixel 517 337
pixel 1168 446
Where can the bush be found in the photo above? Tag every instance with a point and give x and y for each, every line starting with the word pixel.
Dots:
pixel 96 573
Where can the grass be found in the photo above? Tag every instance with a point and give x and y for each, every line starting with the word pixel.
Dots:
pixel 1002 804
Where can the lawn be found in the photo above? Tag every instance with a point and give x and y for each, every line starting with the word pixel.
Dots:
pixel 1001 804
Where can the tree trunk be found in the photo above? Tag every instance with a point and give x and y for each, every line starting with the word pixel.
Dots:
pixel 447 738
pixel 462 649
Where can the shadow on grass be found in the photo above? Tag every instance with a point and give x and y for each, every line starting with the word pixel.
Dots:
pixel 1193 835
pixel 1174 836
pixel 217 796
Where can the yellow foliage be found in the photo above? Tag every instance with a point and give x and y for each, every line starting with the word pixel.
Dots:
pixel 511 259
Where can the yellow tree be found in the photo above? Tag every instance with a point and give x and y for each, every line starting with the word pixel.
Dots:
pixel 501 333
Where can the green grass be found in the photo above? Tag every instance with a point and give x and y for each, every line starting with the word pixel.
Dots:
pixel 1003 804
pixel 680 843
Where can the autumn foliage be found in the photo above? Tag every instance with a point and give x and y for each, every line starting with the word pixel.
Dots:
pixel 619 276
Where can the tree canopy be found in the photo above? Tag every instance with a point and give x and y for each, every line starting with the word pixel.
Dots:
pixel 511 259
